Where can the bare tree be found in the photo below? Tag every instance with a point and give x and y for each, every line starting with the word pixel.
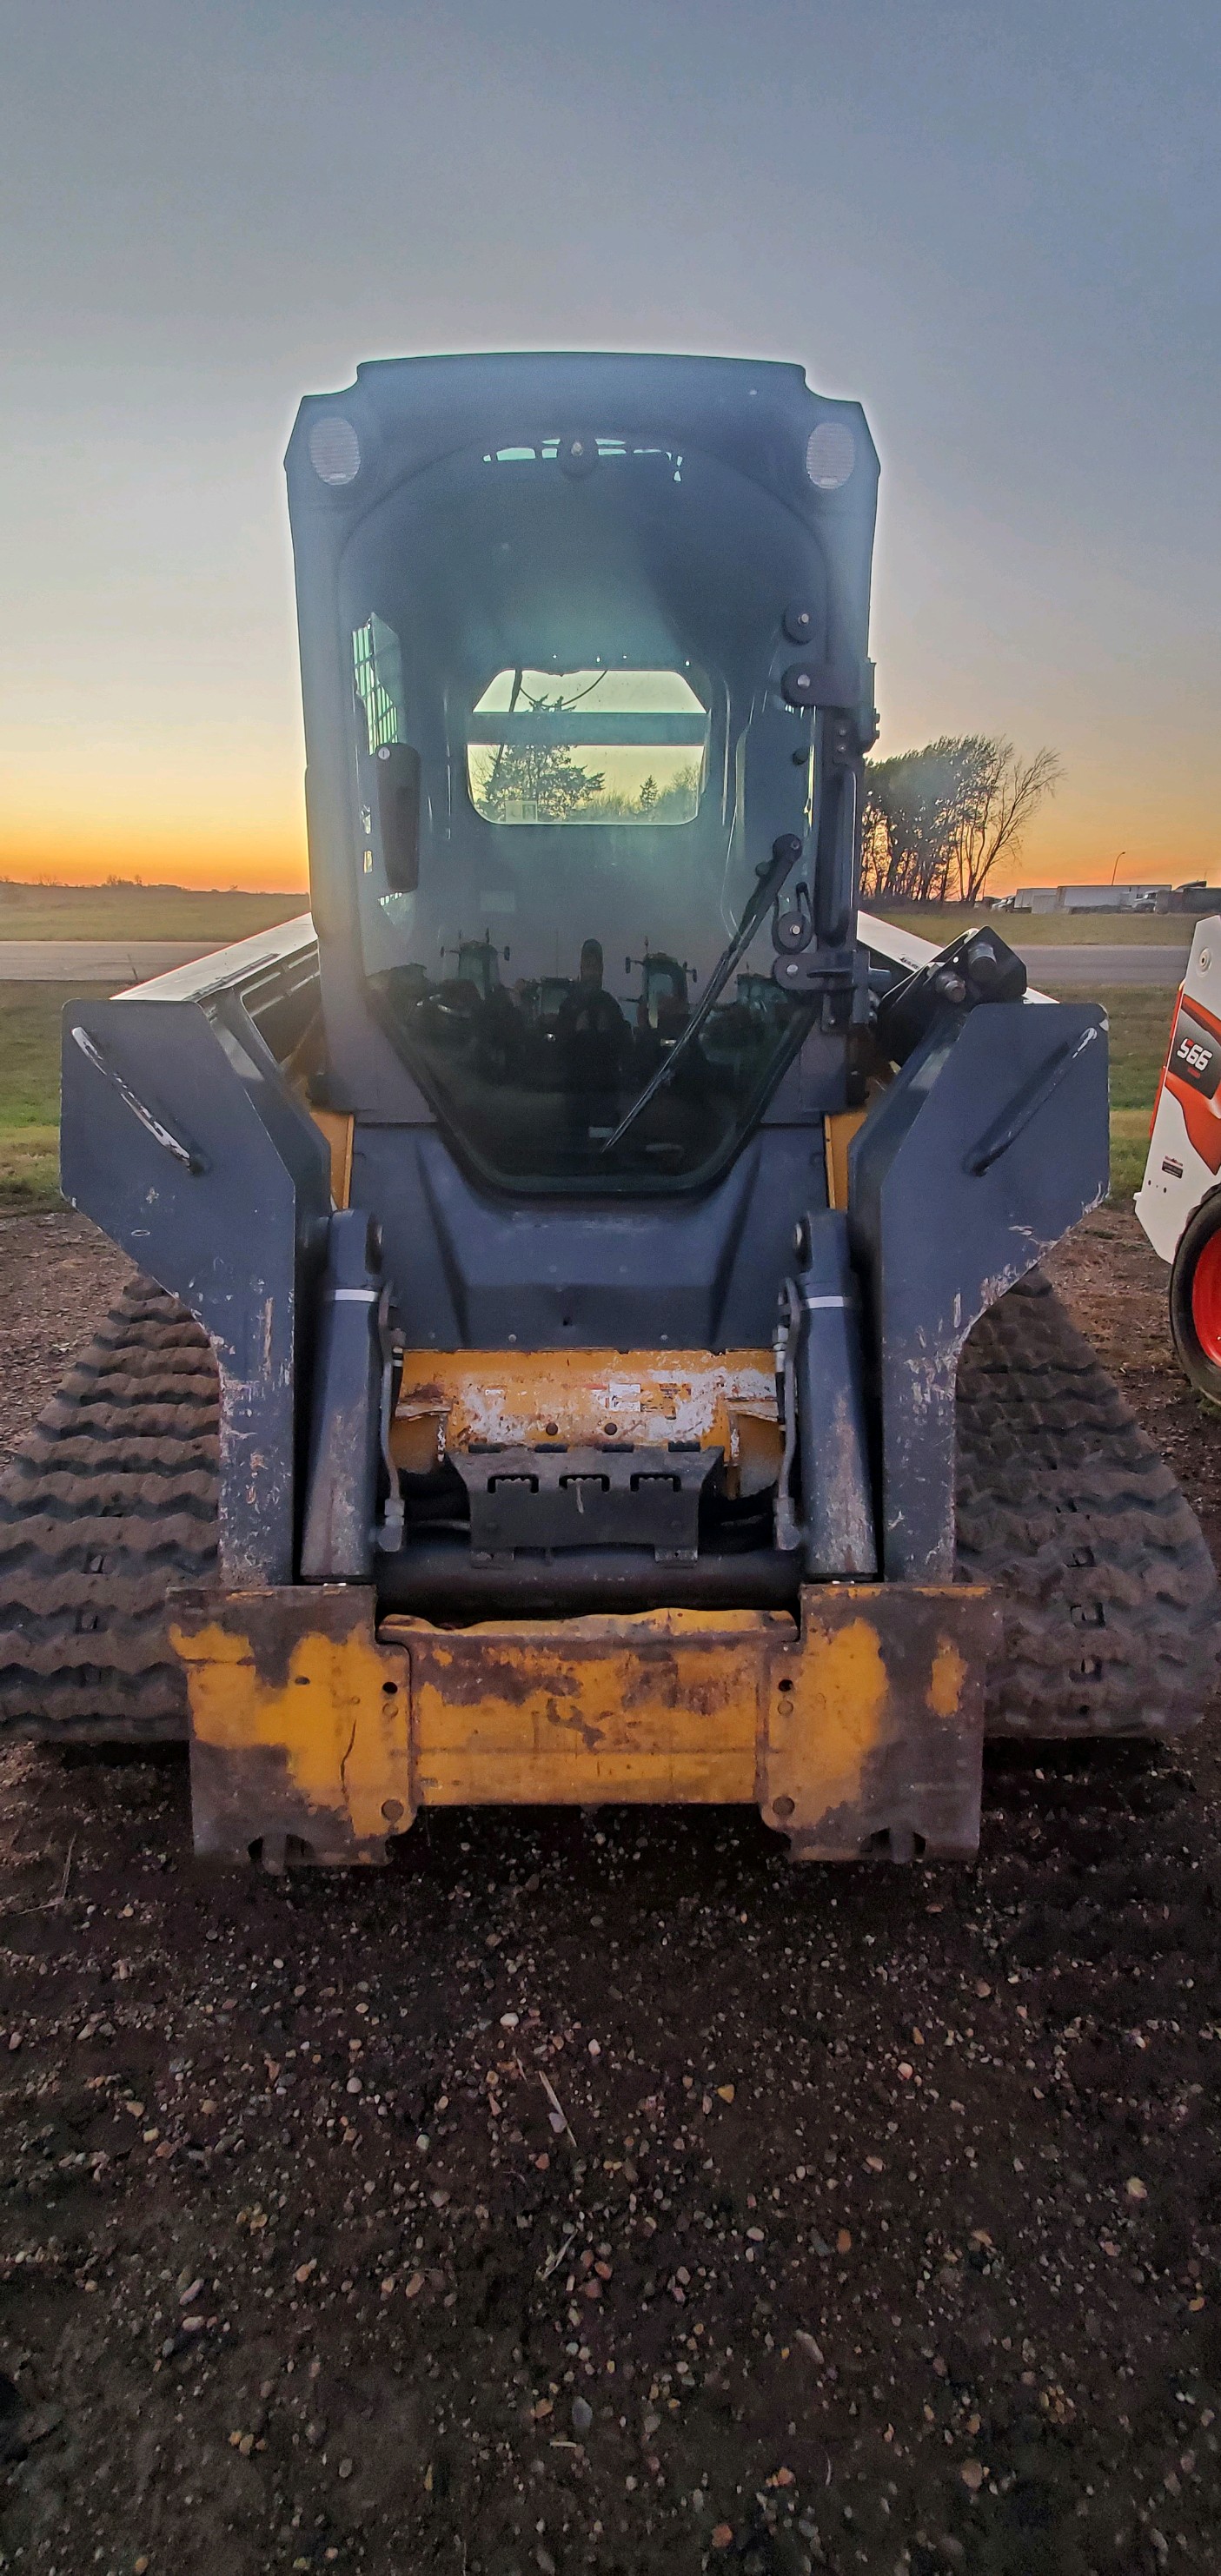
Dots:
pixel 937 820
pixel 1007 791
pixel 915 814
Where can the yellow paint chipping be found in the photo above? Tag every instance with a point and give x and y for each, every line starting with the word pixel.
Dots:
pixel 946 1680
pixel 862 1726
pixel 516 1397
pixel 658 1706
pixel 826 1720
pixel 341 1732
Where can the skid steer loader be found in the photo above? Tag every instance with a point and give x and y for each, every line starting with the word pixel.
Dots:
pixel 1179 1200
pixel 589 1343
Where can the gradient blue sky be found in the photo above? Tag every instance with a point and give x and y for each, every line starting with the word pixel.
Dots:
pixel 996 225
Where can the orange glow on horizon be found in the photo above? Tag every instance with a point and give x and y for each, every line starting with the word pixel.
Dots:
pixel 270 857
pixel 269 863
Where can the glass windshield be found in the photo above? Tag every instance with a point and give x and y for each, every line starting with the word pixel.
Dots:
pixel 557 679
pixel 378 665
pixel 540 1069
pixel 588 747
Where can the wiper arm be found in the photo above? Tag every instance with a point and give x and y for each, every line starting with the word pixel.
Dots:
pixel 785 854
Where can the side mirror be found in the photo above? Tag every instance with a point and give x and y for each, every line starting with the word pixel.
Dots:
pixel 397 773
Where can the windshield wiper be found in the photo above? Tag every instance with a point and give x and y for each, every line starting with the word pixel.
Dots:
pixel 785 854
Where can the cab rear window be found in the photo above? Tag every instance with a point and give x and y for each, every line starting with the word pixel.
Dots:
pixel 607 746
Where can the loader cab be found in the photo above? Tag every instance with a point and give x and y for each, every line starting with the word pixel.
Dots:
pixel 566 627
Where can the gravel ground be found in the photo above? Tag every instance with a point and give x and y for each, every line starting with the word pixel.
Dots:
pixel 595 2191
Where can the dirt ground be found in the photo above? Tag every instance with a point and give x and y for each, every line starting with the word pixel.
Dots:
pixel 58 1275
pixel 596 2192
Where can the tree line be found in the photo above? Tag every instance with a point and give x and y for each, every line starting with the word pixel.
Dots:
pixel 937 821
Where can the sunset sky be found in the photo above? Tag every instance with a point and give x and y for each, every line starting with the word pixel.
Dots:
pixel 997 226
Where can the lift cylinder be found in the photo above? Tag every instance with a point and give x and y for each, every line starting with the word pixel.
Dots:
pixel 837 1509
pixel 337 1537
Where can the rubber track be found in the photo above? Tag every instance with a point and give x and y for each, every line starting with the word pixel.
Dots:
pixel 1112 1607
pixel 1111 1602
pixel 110 1500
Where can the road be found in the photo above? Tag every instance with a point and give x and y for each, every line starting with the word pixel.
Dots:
pixel 94 961
pixel 1100 966
pixel 117 962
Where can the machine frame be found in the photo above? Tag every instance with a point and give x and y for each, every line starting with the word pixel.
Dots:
pixel 249 1132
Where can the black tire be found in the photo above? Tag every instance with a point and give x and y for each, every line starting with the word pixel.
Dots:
pixel 1194 1290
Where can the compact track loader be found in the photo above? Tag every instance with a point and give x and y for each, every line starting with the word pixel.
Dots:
pixel 589 1343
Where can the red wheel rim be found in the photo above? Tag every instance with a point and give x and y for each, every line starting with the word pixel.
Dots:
pixel 1206 1298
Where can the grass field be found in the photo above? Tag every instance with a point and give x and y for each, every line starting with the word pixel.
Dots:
pixel 29 1085
pixel 29 1093
pixel 185 912
pixel 1052 929
pixel 1139 1015
pixel 140 912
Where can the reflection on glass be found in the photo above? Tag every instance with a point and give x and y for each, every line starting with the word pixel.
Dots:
pixel 559 672
pixel 537 1070
pixel 378 666
pixel 601 746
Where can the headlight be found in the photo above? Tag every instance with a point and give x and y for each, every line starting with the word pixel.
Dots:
pixel 334 449
pixel 830 455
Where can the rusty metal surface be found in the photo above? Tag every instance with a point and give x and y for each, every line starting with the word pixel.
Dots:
pixel 451 1399
pixel 648 1706
pixel 299 1725
pixel 874 1730
pixel 862 1730
pixel 312 1738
